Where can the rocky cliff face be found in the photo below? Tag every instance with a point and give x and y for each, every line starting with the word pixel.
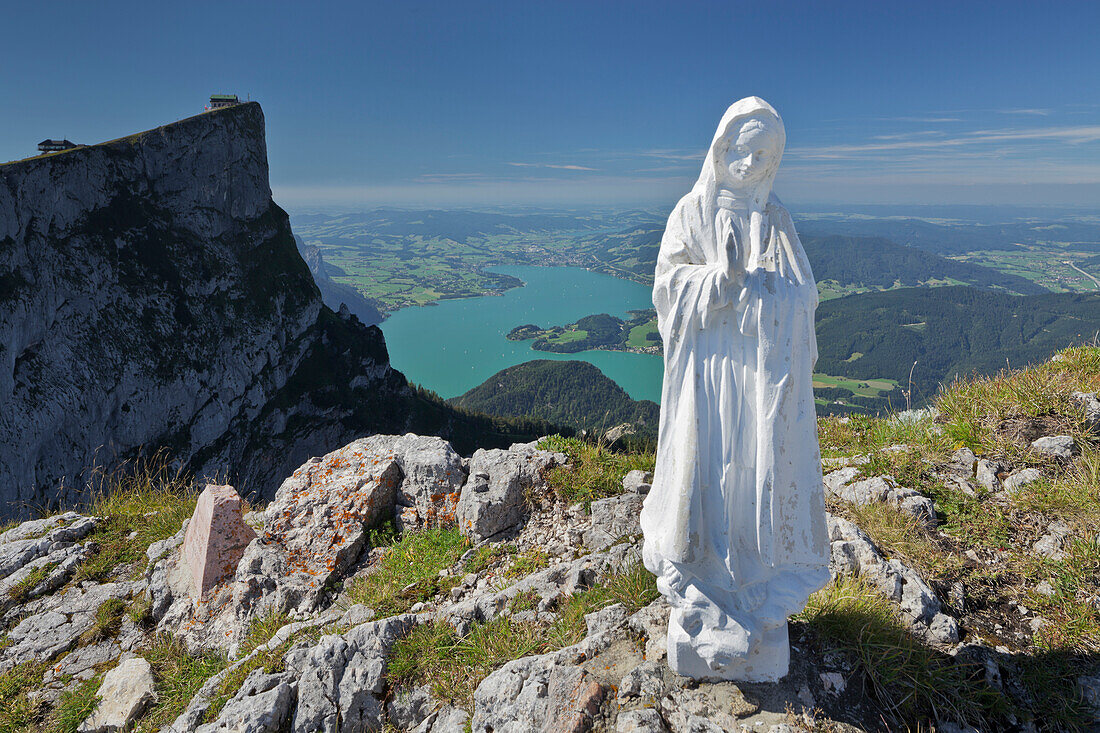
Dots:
pixel 151 294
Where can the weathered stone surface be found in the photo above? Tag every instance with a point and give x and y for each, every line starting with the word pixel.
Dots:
pixel 841 484
pixel 986 474
pixel 701 711
pixel 964 459
pixel 38 538
pixel 433 476
pixel 1089 402
pixel 124 693
pixel 612 519
pixel 646 720
pixel 58 622
pixel 341 679
pixel 1056 446
pixel 644 681
pixel 215 538
pixel 638 481
pixel 313 530
pixel 1021 479
pixel 1051 544
pixel 262 705
pixel 854 553
pixel 492 502
pixel 533 694
pixel 141 342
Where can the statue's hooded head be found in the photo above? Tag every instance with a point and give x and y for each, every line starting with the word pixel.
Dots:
pixel 745 153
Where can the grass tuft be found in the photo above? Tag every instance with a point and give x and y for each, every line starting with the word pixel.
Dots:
pixel 595 472
pixel 408 571
pixel 454 665
pixel 140 503
pixel 108 620
pixel 21 591
pixel 909 680
pixel 178 675
pixel 17 711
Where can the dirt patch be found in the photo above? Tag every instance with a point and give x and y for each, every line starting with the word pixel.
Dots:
pixel 1020 430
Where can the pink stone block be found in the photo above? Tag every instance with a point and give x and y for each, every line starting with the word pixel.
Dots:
pixel 216 538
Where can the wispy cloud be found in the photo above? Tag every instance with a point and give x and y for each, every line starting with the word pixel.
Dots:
pixel 1071 135
pixel 556 166
pixel 1032 111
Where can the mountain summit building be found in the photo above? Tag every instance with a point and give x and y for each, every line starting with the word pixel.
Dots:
pixel 217 101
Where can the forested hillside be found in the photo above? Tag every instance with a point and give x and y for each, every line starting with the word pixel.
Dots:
pixel 572 393
pixel 876 263
pixel 852 262
pixel 948 332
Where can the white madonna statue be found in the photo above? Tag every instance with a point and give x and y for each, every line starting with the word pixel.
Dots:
pixel 735 524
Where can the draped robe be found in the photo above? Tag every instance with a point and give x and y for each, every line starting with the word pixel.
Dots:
pixel 737 496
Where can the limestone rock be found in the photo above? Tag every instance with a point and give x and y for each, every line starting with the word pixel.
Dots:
pixel 646 720
pixel 117 332
pixel 262 705
pixel 38 538
pixel 433 476
pixel 613 518
pixel 1089 402
pixel 216 537
pixel 533 694
pixel 964 459
pixel 987 474
pixel 638 481
pixel 313 530
pixel 1051 544
pixel 1021 479
pixel 1056 446
pixel 841 484
pixel 493 501
pixel 341 679
pixel 124 693
pixel 854 553
pixel 57 624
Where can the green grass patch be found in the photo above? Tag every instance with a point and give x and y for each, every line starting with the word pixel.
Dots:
pixel 595 472
pixel 108 620
pixel 454 665
pixel 178 676
pixel 21 591
pixel 74 707
pixel 261 630
pixel 900 534
pixel 147 497
pixel 408 571
pixel 865 434
pixel 17 711
pixel 270 660
pixel 909 680
pixel 992 414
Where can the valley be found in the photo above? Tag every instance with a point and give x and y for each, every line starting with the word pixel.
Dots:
pixel 428 272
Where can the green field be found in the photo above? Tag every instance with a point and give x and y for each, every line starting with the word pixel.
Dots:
pixel 1049 265
pixel 861 387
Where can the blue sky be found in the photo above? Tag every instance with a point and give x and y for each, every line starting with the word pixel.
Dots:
pixel 600 102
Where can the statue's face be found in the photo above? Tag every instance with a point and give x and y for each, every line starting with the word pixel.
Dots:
pixel 749 158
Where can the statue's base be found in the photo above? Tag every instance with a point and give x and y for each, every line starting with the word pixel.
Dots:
pixel 767 660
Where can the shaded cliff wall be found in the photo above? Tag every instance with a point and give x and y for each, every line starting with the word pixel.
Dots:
pixel 151 294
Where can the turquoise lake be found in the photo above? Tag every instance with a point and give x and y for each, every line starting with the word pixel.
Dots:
pixel 456 345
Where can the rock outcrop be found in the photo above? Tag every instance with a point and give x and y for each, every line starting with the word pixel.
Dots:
pixel 151 295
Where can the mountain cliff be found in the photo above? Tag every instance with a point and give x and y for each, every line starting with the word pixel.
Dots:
pixel 151 295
